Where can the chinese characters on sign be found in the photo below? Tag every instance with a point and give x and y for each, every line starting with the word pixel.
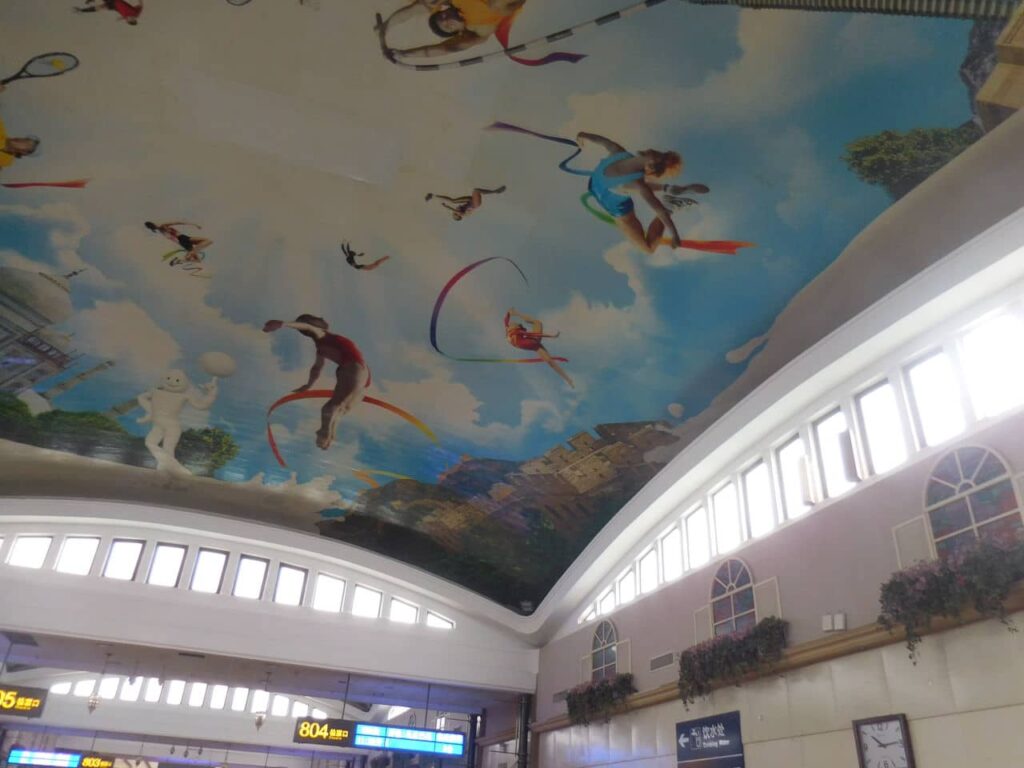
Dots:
pixel 713 742
pixel 22 702
pixel 334 731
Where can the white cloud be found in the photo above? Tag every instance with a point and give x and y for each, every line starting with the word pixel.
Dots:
pixel 438 393
pixel 742 353
pixel 786 58
pixel 16 260
pixel 600 330
pixel 67 229
pixel 122 331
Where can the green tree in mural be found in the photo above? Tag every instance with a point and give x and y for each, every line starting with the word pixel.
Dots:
pixel 84 432
pixel 94 434
pixel 16 422
pixel 206 450
pixel 900 161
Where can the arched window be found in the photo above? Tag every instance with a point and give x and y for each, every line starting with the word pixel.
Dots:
pixel 732 599
pixel 603 652
pixel 970 496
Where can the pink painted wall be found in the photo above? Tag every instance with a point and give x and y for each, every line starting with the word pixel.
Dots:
pixel 832 560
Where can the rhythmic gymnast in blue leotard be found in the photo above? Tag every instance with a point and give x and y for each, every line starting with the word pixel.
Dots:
pixel 636 173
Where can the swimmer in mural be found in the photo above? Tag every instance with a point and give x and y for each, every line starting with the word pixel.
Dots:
pixel 532 340
pixel 640 173
pixel 464 205
pixel 463 24
pixel 192 246
pixel 127 12
pixel 352 375
pixel 351 256
pixel 14 147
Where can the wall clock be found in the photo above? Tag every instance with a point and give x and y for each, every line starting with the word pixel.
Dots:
pixel 884 742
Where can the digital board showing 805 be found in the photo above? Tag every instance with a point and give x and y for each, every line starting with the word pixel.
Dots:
pixel 22 702
pixel 347 733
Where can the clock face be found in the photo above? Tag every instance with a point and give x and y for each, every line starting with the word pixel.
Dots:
pixel 883 744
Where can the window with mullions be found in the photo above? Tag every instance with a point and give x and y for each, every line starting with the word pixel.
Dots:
pixel 970 496
pixel 603 652
pixel 732 599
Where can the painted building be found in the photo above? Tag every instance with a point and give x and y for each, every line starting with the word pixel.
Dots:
pixel 31 351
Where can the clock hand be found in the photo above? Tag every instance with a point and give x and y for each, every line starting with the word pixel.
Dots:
pixel 879 743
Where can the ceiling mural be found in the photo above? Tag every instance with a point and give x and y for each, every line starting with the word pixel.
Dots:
pixel 454 273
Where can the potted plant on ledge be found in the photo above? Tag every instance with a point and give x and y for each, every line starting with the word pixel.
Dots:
pixel 599 699
pixel 978 577
pixel 729 658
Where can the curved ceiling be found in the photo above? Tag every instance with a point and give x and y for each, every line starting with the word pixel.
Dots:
pixel 209 170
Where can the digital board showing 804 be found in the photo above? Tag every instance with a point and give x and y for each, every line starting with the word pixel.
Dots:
pixel 337 732
pixel 347 733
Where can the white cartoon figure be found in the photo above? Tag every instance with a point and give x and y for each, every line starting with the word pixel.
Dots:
pixel 164 403
pixel 163 406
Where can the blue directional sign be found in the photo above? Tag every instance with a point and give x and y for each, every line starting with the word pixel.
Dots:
pixel 711 742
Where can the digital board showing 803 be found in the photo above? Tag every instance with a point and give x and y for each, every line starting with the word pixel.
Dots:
pixel 347 733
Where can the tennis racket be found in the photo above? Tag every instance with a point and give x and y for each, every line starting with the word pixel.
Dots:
pixel 44 65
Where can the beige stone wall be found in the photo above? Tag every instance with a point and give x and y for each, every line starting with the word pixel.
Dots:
pixel 964 700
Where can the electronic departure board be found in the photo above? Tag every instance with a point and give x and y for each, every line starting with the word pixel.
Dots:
pixel 335 732
pixel 21 701
pixel 59 759
pixel 348 733
pixel 45 759
pixel 389 737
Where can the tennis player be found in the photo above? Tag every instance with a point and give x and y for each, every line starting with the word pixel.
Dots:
pixel 126 12
pixel 13 147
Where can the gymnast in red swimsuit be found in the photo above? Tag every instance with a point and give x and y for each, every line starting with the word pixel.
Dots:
pixel 532 340
pixel 129 13
pixel 352 375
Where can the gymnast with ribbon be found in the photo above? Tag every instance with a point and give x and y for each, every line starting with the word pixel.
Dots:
pixel 532 340
pixel 352 376
pixel 463 24
pixel 620 175
pixel 517 334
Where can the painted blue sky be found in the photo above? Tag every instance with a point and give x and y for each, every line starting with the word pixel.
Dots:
pixel 295 134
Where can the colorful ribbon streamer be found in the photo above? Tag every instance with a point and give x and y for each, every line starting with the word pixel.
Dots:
pixel 327 394
pixel 193 268
pixel 72 184
pixel 366 475
pixel 440 302
pixel 502 34
pixel 501 126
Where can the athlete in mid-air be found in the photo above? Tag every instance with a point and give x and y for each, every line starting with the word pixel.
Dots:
pixel 532 340
pixel 464 205
pixel 13 147
pixel 127 12
pixel 351 256
pixel 352 376
pixel 193 246
pixel 640 173
pixel 462 23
